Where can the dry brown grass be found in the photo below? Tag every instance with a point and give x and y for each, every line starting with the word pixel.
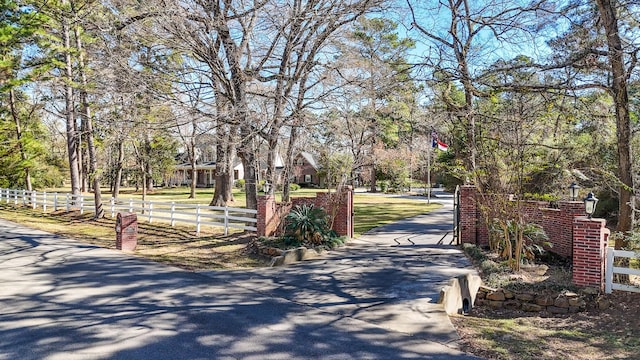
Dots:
pixel 607 333
pixel 177 246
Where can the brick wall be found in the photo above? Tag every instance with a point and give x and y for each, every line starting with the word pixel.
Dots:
pixel 557 223
pixel 571 234
pixel 271 214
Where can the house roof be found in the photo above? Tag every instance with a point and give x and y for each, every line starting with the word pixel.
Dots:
pixel 211 165
pixel 278 161
pixel 309 159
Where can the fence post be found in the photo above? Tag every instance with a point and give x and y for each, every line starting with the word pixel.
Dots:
pixel 55 201
pixel 150 212
pixel 33 200
pixel 68 204
pixel 226 221
pixel 44 201
pixel 24 197
pixel 198 219
pixel 15 197
pixel 112 205
pixel 130 205
pixel 81 204
pixel 608 273
pixel 173 209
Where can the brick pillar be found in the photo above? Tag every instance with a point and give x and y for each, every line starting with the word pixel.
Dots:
pixel 349 212
pixel 468 214
pixel 589 242
pixel 343 222
pixel 266 213
pixel 569 210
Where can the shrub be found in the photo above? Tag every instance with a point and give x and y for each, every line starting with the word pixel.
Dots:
pixel 631 238
pixel 309 226
pixel 294 187
pixel 307 223
pixel 474 252
pixel 516 241
pixel 541 197
pixel 383 186
pixel 240 183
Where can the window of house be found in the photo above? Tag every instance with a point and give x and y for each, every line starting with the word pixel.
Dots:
pixel 307 178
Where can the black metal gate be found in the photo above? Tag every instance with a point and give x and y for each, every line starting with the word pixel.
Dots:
pixel 456 215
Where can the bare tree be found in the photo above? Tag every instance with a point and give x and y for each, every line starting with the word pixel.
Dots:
pixel 291 61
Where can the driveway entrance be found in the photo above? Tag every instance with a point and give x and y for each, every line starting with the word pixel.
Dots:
pixel 374 299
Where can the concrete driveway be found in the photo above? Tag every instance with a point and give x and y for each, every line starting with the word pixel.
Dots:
pixel 374 299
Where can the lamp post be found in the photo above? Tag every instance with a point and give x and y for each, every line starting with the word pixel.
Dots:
pixel 590 204
pixel 573 191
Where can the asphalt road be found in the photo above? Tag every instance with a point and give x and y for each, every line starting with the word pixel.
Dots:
pixel 374 299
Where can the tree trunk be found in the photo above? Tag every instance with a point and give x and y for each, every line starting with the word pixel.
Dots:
pixel 247 151
pixel 118 175
pixel 94 174
pixel 147 169
pixel 23 155
pixel 271 164
pixel 144 184
pixel 72 144
pixel 288 165
pixel 374 186
pixel 623 121
pixel 223 193
pixel 149 178
pixel 194 168
pixel 194 180
pixel 247 154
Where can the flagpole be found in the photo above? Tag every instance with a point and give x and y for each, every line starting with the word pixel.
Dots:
pixel 429 175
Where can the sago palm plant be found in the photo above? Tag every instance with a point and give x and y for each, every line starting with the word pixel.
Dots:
pixel 308 224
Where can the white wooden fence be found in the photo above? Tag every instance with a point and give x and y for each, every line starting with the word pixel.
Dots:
pixel 226 217
pixel 610 270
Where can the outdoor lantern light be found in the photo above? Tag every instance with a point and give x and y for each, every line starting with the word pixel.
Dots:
pixel 573 191
pixel 590 204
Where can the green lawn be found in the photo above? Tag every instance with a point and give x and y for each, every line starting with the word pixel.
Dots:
pixel 374 210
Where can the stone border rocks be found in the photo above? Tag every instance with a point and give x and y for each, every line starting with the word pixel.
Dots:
pixel 281 257
pixel 563 302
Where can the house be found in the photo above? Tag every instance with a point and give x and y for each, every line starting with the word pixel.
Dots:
pixel 305 170
pixel 205 174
